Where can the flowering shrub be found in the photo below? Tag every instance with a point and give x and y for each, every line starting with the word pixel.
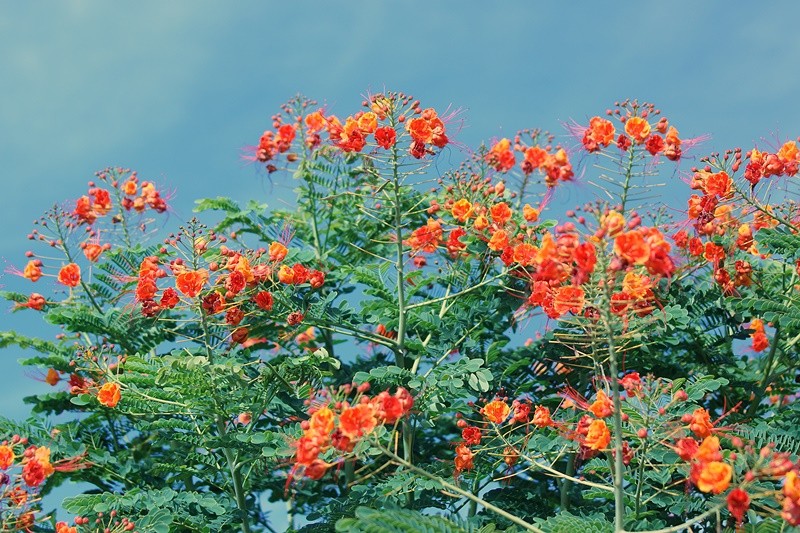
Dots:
pixel 362 356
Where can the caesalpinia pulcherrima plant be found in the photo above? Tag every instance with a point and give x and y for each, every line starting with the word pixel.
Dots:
pixel 412 348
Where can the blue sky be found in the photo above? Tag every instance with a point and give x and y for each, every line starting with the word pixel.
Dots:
pixel 175 89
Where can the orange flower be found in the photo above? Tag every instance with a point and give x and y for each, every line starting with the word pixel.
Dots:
pixel 701 424
pixel 420 130
pixel 52 377
pixel 427 238
pixel 638 129
pixel 500 213
pixel 63 527
pixel 499 241
pixel 191 282
pixel 541 417
pixel 714 477
pixel 568 298
pixel 33 270
pixel 789 152
pixel 464 458
pixel 286 274
pixel 496 411
pixel 791 486
pixel 321 423
pixel 708 451
pixel 6 456
pixel 599 133
pixel 368 122
pixel 632 247
pixel 612 223
pixel 92 251
pixel 385 137
pixel 462 210
pixel 535 156
pixel 598 436
pixel 277 252
pixel 686 448
pixel 525 254
pixel 109 395
pixel 481 222
pixel 38 467
pixel 602 406
pixel 315 122
pixel 129 187
pixel 602 130
pixel 70 275
pixel 531 214
pixel 357 421
pixel 501 157
pixel 636 285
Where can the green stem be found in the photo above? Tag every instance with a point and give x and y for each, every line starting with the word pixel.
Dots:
pixel 236 475
pixel 473 505
pixel 566 484
pixel 765 381
pixel 461 492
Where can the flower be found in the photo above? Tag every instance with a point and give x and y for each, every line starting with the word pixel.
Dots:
pixel 70 275
pixel 700 423
pixel 602 406
pixel 598 436
pixel 738 503
pixel 568 298
pixel 38 467
pixel 264 300
pixel 632 247
pixel 277 252
pixel 541 417
pixel 427 238
pixel 714 477
pixel 637 129
pixel 496 411
pixel 499 240
pixel 471 435
pixel 464 458
pixel 33 270
pixel 109 394
pixel 500 213
pixel 191 282
pixel 6 456
pixel 355 422
pixel 462 210
pixel 385 137
pixel 501 157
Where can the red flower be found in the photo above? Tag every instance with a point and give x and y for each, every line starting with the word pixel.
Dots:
pixel 264 300
pixel 385 137
pixel 738 503
pixel 358 421
pixel 427 238
pixel 471 435
pixel 70 275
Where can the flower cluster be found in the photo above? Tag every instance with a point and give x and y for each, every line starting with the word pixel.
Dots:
pixel 24 468
pixel 128 191
pixel 232 284
pixel 658 138
pixel 537 153
pixel 338 422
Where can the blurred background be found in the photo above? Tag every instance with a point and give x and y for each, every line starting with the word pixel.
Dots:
pixel 176 89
